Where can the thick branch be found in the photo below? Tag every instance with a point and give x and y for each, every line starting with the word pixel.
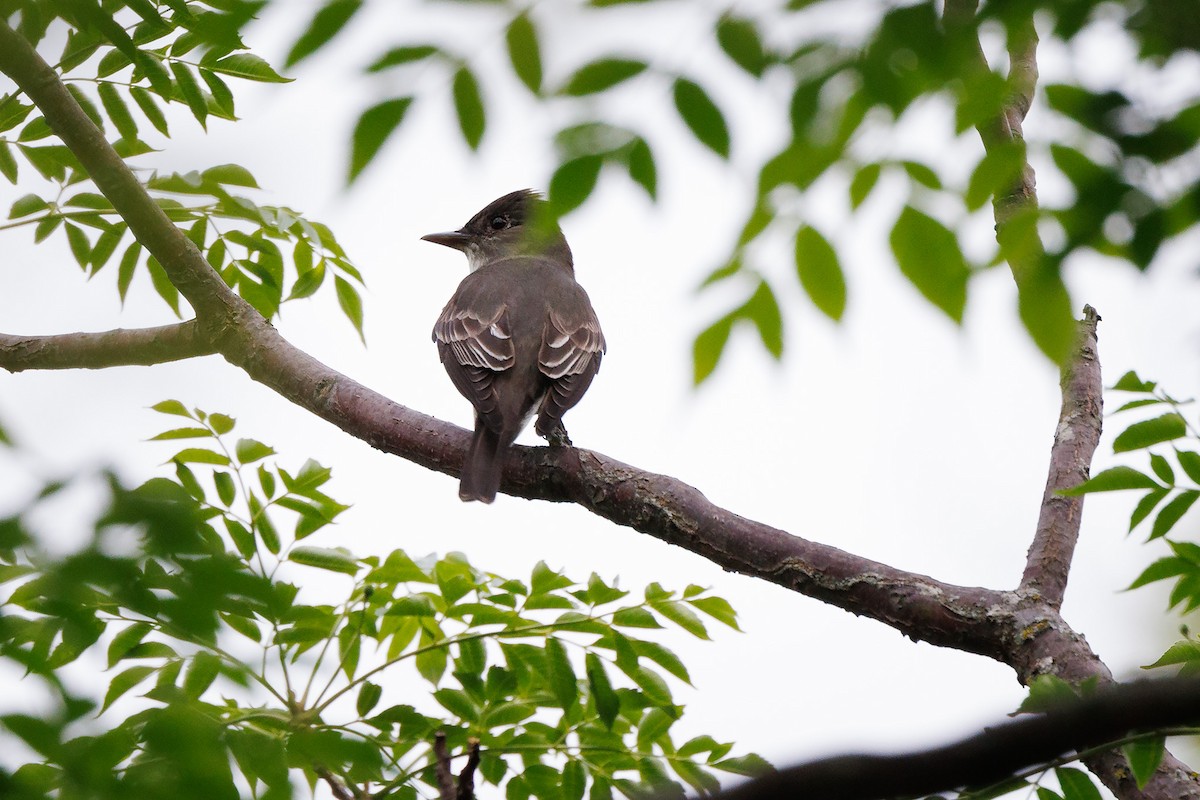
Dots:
pixel 991 756
pixel 108 349
pixel 1049 561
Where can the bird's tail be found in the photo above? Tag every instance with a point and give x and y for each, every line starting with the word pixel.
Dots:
pixel 481 471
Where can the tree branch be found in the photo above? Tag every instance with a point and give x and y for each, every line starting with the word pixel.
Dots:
pixel 1048 563
pixel 989 757
pixel 114 348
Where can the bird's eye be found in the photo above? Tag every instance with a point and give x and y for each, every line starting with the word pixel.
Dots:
pixel 499 223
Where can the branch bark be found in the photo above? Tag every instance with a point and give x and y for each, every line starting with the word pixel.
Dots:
pixel 994 754
pixel 1019 628
pixel 1048 563
pixel 121 347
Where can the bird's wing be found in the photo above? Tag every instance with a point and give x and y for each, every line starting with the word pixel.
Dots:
pixel 474 347
pixel 570 358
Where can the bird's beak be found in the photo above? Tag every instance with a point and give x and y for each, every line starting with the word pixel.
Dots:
pixel 456 239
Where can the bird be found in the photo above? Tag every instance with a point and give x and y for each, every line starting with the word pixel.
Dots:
pixel 519 337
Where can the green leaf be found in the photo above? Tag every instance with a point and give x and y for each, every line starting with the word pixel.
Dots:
pixel 1144 756
pixel 922 174
pixel 117 110
pixel 719 609
pixel 763 310
pixel 333 559
pixel 605 699
pixel 8 163
pixel 374 127
pixel 573 182
pixel 524 52
pixel 229 175
pixel 1149 432
pixel 201 673
pixel 250 450
pixel 458 703
pixel 402 55
pixel 368 697
pixel 189 87
pixel 1162 469
pixel 635 617
pixel 172 407
pixel 81 248
pixel 929 256
pixel 1144 506
pixel 652 728
pixel 248 66
pixel 13 112
pixel 221 423
pixel 1162 569
pixel 640 161
pixel 26 205
pixel 820 272
pixel 126 640
pixel 149 106
pixel 1130 382
pixel 325 24
pixel 863 182
pixel 182 433
pixel 351 303
pixel 561 674
pixel 468 104
pixel 125 681
pixel 1114 479
pixel 750 764
pixel 128 266
pixel 1172 512
pixel 225 487
pixel 708 347
pixel 1076 785
pixel 683 616
pixel 600 75
pixel 740 40
pixel 1184 652
pixel 1190 461
pixel 196 455
pixel 702 116
pixel 162 284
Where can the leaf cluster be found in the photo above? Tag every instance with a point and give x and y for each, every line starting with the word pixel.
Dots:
pixel 122 57
pixel 226 667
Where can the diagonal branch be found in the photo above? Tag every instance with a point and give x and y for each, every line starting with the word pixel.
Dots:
pixel 142 346
pixel 1049 560
pixel 992 755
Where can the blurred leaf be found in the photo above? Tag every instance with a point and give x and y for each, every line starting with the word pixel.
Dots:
pixel 602 74
pixel 929 256
pixel 325 24
pixel 573 182
pixel 524 51
pixel 351 303
pixel 863 182
pixel 402 55
pixel 740 40
pixel 702 116
pixel 763 310
pixel 708 347
pixel 1144 756
pixel 374 127
pixel 326 558
pixel 820 272
pixel 1076 785
pixel 468 103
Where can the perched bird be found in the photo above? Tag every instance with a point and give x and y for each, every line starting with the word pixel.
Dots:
pixel 519 336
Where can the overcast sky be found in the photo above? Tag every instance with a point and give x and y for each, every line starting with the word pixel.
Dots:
pixel 896 435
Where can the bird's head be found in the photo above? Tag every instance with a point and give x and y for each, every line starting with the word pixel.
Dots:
pixel 513 225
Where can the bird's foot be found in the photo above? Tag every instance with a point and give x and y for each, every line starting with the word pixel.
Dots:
pixel 558 437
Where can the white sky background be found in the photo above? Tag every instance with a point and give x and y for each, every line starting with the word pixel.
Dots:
pixel 895 435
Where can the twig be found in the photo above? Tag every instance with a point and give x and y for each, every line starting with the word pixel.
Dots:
pixel 1048 563
pixel 339 789
pixel 142 346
